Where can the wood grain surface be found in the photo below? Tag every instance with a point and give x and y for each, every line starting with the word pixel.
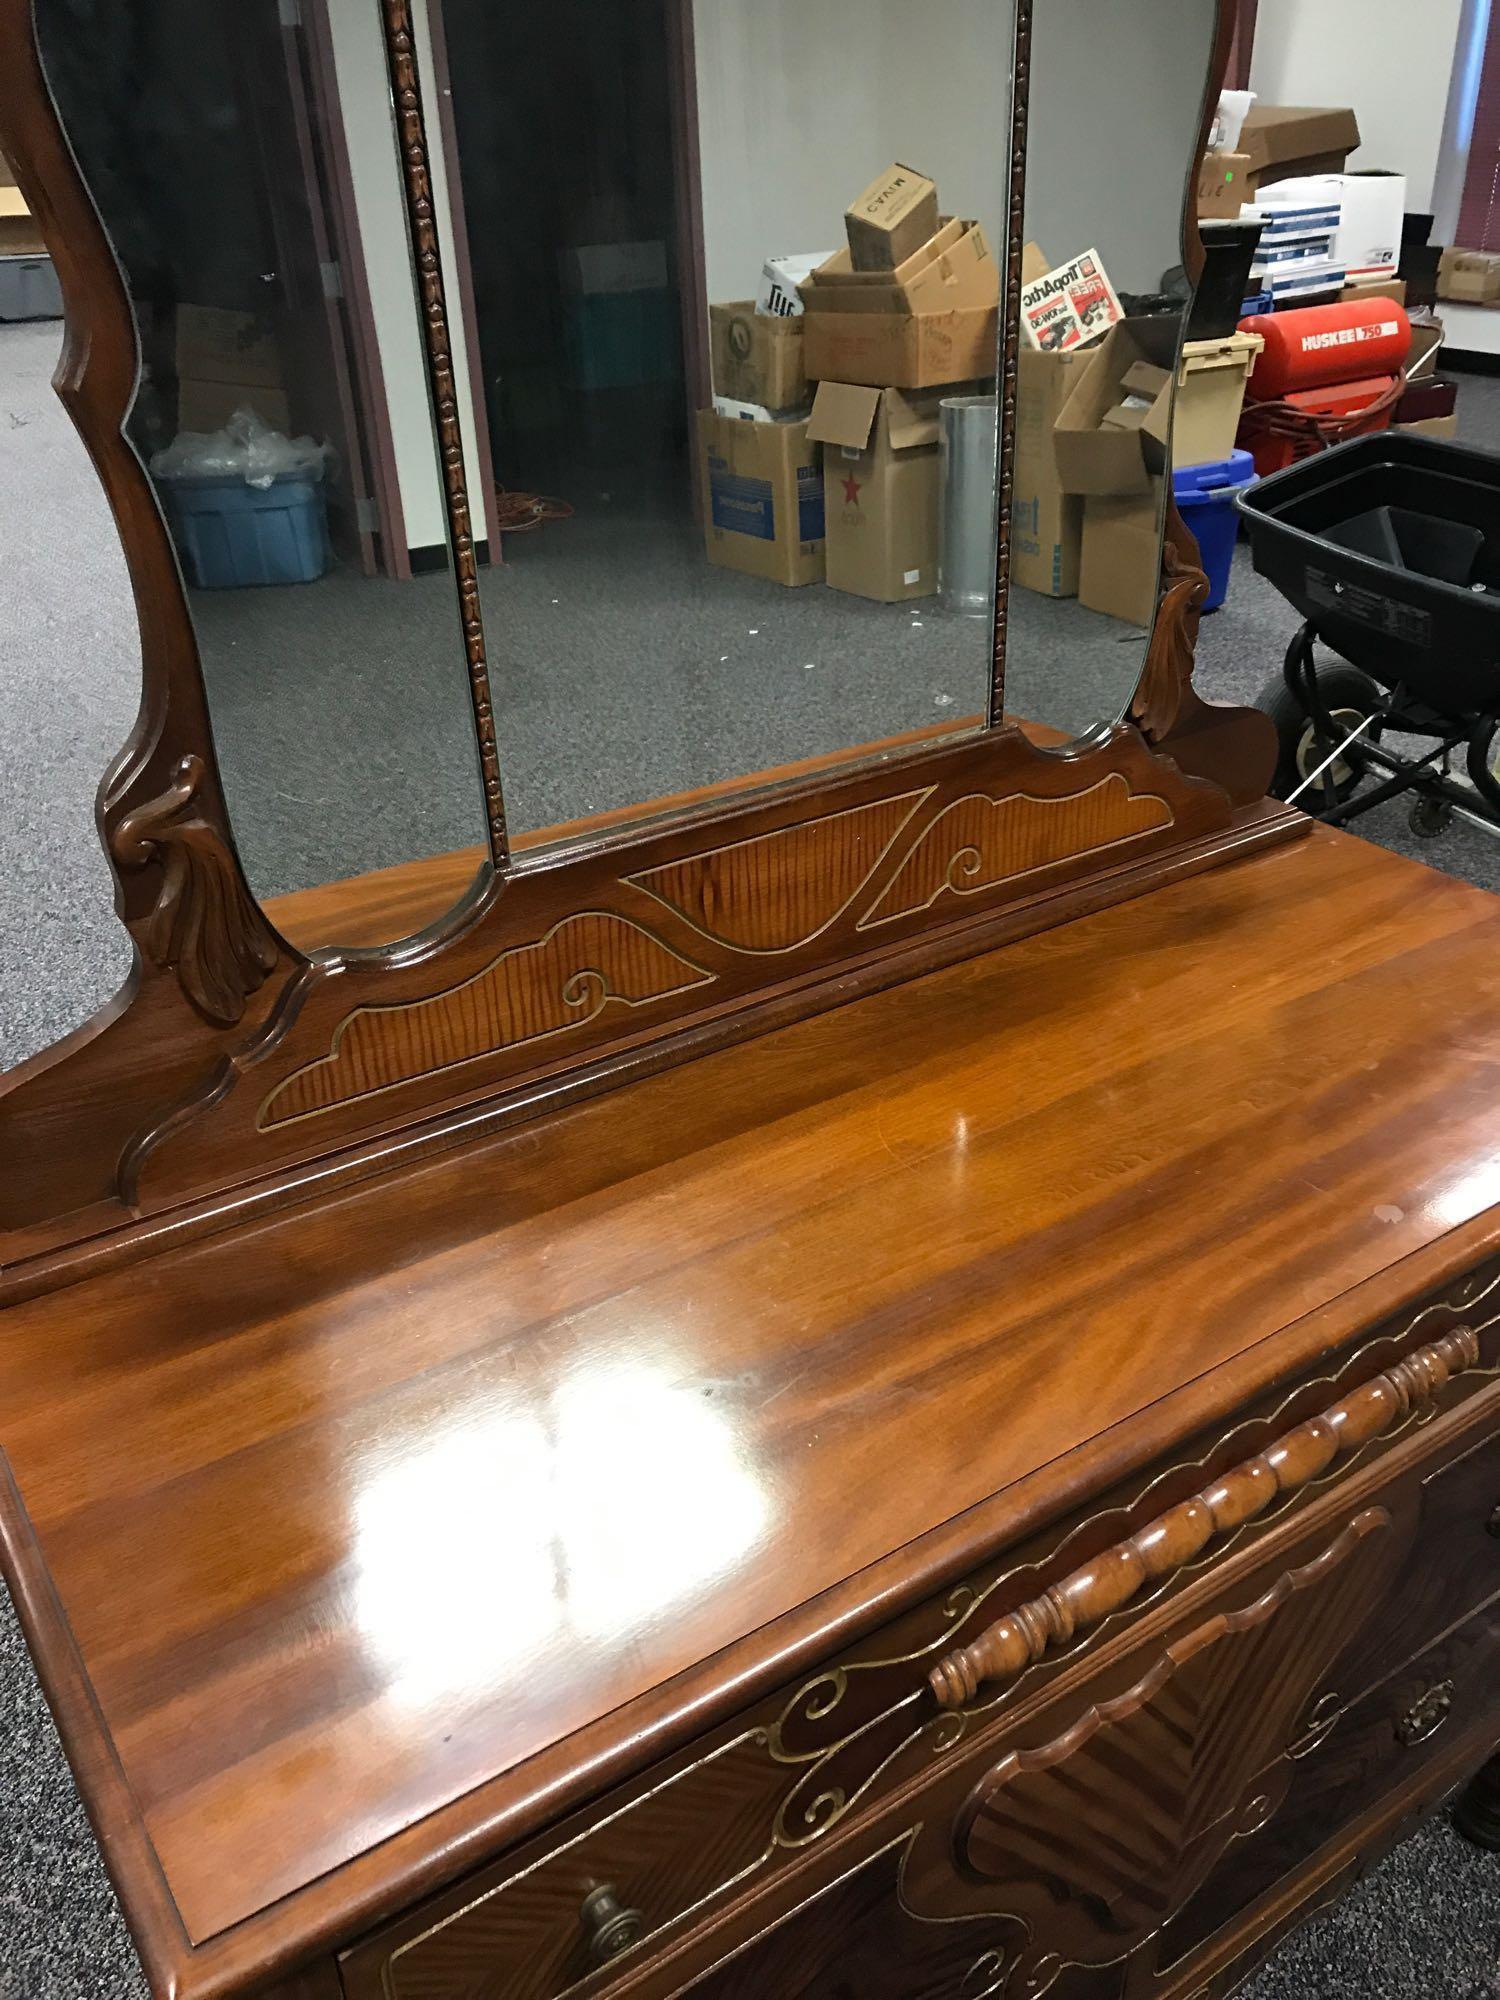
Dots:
pixel 355 1511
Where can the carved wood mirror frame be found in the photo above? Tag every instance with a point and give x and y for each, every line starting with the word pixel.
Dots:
pixel 233 1071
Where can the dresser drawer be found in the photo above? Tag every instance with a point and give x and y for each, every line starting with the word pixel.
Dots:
pixel 1109 1846
pixel 746 1816
pixel 1444 1699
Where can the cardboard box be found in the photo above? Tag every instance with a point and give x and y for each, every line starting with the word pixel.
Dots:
pixel 1433 427
pixel 892 218
pixel 208 406
pixel 933 321
pixel 1372 213
pixel 1120 570
pixel 1284 140
pixel 881 475
pixel 779 295
pixel 1471 277
pixel 763 498
pixel 1046 523
pixel 1426 344
pixel 757 359
pixel 214 345
pixel 1376 288
pixel 1223 184
pixel 1106 442
pixel 615 267
pixel 19 234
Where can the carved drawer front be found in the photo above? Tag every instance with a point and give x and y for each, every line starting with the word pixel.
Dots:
pixel 1423 1716
pixel 858 1940
pixel 599 1900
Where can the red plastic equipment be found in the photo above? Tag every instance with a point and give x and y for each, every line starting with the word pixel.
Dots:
pixel 1325 374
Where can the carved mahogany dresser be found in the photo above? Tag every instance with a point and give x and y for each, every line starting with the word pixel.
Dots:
pixel 875 1382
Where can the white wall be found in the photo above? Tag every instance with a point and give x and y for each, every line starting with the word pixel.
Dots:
pixel 375 166
pixel 1116 104
pixel 1392 63
pixel 801 102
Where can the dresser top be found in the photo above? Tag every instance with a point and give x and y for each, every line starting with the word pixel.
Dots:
pixel 332 1529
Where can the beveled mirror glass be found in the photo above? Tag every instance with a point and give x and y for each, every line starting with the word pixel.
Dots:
pixel 734 509
pixel 1113 120
pixel 244 162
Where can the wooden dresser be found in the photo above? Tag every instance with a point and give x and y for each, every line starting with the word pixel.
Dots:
pixel 993 1489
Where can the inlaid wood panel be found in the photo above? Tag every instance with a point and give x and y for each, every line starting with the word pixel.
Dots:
pixel 782 890
pixel 583 966
pixel 977 843
pixel 1098 1836
pixel 667 942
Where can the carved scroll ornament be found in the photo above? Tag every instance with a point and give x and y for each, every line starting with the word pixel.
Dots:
pixel 205 924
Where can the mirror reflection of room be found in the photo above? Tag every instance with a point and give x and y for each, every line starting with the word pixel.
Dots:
pixel 1121 391
pixel 250 180
pixel 736 272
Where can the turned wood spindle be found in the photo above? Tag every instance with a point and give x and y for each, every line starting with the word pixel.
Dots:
pixel 1173 1539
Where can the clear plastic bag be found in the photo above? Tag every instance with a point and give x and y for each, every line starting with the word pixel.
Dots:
pixel 246 448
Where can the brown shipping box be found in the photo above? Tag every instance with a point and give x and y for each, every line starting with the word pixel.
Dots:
pixel 1111 434
pixel 1120 573
pixel 227 361
pixel 934 321
pixel 893 217
pixel 1433 427
pixel 757 358
pixel 1376 288
pixel 1223 184
pixel 1284 141
pixel 19 234
pixel 881 479
pixel 1046 525
pixel 763 498
pixel 1470 277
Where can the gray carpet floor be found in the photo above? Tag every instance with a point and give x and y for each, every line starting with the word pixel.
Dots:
pixel 1426 1925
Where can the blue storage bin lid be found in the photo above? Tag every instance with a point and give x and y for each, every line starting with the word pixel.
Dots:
pixel 1206 482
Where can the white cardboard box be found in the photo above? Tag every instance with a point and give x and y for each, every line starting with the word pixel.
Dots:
pixel 1371 208
pixel 778 294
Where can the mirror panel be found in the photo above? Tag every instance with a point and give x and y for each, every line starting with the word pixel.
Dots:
pixel 245 166
pixel 666 622
pixel 1115 104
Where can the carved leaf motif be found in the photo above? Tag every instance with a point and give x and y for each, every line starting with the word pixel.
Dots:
pixel 1168 671
pixel 977 843
pixel 205 925
pixel 1101 1834
pixel 782 889
pixel 562 981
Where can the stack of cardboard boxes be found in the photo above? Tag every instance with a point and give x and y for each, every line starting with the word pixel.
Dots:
pixel 28 283
pixel 1093 428
pixel 880 332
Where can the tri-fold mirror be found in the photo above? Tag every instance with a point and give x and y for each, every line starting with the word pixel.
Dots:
pixel 688 322
pixel 646 522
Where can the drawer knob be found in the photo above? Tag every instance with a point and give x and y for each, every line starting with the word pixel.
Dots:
pixel 1427 1715
pixel 1492 1525
pixel 610 1927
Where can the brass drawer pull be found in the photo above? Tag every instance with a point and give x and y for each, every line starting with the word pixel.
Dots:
pixel 1176 1537
pixel 1426 1715
pixel 610 1928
